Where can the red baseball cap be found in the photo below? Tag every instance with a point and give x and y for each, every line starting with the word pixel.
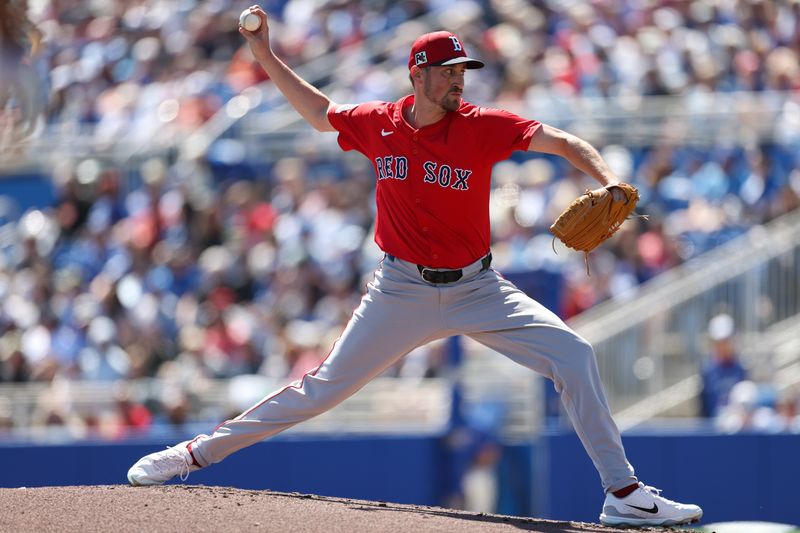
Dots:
pixel 440 48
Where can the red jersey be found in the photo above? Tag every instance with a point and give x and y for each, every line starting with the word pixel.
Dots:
pixel 433 182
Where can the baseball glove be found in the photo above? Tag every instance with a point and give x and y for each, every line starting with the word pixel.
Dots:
pixel 594 217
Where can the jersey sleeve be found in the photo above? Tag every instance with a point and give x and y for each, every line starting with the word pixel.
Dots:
pixel 352 122
pixel 503 132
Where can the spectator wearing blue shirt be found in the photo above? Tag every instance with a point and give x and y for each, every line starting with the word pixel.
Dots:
pixel 723 370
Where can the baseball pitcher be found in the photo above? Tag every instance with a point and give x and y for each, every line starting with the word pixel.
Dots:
pixel 433 155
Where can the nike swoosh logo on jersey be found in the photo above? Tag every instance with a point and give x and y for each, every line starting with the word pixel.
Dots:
pixel 651 510
pixel 385 133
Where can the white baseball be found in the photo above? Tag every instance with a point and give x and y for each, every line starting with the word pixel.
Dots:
pixel 249 21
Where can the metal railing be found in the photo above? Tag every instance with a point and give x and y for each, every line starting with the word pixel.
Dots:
pixel 736 118
pixel 260 118
pixel 494 394
pixel 385 405
pixel 503 390
pixel 651 346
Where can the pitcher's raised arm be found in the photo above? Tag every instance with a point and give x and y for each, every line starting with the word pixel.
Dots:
pixel 304 97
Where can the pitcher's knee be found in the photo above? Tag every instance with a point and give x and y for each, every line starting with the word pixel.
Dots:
pixel 320 396
pixel 579 364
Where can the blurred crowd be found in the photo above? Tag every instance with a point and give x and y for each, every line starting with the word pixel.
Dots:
pixel 736 398
pixel 122 64
pixel 183 273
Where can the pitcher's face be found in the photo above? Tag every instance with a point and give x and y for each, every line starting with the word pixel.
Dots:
pixel 443 86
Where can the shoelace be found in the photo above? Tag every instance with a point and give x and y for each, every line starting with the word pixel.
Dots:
pixel 650 489
pixel 184 473
pixel 167 463
pixel 656 492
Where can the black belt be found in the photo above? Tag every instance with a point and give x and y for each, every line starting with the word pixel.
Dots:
pixel 449 276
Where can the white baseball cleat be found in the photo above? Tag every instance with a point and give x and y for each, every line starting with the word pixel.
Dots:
pixel 646 507
pixel 158 467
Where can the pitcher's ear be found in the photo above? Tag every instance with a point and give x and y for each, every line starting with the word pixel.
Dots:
pixel 416 74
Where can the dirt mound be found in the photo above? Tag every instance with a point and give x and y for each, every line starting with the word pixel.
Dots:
pixel 200 508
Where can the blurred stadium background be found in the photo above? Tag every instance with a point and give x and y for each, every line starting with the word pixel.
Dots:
pixel 175 243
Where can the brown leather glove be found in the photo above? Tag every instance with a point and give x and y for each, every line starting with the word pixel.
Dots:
pixel 595 216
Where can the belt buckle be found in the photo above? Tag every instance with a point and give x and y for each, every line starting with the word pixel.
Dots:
pixel 428 275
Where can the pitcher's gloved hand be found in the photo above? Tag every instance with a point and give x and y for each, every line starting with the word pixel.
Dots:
pixel 595 216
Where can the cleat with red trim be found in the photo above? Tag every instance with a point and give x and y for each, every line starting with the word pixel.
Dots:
pixel 159 467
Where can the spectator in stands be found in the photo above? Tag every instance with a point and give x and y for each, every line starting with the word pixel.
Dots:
pixel 14 367
pixel 751 407
pixel 133 418
pixel 20 93
pixel 6 418
pixel 787 409
pixel 723 369
pixel 174 406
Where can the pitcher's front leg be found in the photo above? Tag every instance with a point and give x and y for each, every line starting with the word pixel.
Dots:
pixel 384 328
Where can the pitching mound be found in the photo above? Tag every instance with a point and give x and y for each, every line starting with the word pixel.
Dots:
pixel 199 508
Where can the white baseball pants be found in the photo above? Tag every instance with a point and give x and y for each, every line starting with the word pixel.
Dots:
pixel 399 312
